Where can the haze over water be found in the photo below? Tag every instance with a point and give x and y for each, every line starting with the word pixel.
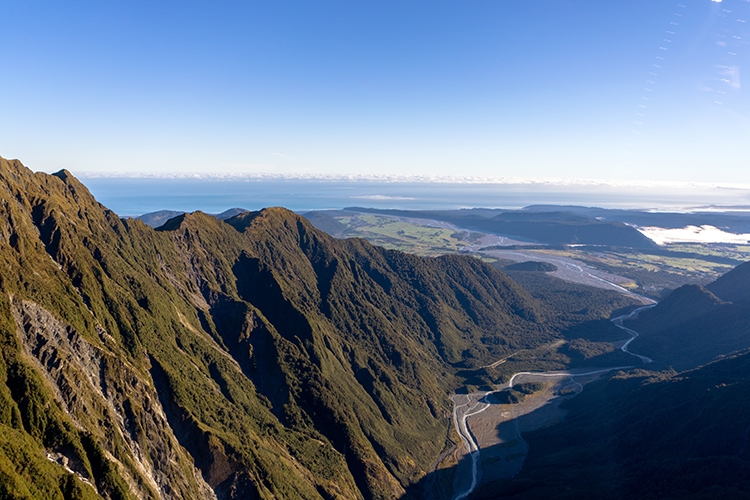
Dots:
pixel 135 196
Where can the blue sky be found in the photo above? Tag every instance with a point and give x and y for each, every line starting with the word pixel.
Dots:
pixel 583 89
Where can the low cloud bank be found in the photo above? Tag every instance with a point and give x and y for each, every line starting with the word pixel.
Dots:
pixel 693 234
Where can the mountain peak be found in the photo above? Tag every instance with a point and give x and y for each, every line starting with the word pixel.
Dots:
pixel 733 286
pixel 64 174
pixel 269 218
pixel 683 304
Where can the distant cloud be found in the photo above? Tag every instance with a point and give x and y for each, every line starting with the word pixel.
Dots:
pixel 238 171
pixel 381 197
pixel 693 234
pixel 730 75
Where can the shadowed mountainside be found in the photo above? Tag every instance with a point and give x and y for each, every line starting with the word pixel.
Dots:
pixel 693 325
pixel 645 435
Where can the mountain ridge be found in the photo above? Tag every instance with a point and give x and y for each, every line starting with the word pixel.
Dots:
pixel 250 358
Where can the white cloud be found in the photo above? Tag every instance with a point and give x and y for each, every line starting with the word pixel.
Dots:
pixel 263 171
pixel 381 197
pixel 693 234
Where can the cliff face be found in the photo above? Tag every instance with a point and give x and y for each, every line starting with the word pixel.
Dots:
pixel 106 397
pixel 252 358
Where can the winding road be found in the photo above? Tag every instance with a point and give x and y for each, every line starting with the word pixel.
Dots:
pixel 479 403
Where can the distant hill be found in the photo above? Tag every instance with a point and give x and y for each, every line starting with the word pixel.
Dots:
pixel 553 227
pixel 534 266
pixel 737 221
pixel 156 219
pixel 229 213
pixel 693 325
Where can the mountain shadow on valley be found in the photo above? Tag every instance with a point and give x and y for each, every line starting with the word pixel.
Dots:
pixel 630 435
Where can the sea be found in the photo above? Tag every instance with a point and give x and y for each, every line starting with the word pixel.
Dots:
pixel 133 196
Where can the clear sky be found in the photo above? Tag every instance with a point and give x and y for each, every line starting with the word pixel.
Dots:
pixel 590 89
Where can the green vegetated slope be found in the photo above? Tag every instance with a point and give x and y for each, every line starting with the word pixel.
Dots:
pixel 326 223
pixel 580 313
pixel 645 435
pixel 250 358
pixel 546 267
pixel 693 325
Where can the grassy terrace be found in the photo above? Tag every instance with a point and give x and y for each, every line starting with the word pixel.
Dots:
pixel 400 234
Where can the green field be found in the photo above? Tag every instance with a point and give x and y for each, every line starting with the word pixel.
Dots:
pixel 650 273
pixel 673 262
pixel 407 236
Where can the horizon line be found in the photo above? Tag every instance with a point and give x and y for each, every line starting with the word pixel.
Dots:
pixel 421 179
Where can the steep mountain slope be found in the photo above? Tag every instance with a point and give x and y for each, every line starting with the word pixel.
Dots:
pixel 326 223
pixel 646 435
pixel 252 358
pixel 693 324
pixel 733 286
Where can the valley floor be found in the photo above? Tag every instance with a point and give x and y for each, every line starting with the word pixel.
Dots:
pixel 492 446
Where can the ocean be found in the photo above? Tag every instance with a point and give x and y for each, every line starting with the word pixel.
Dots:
pixel 133 196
